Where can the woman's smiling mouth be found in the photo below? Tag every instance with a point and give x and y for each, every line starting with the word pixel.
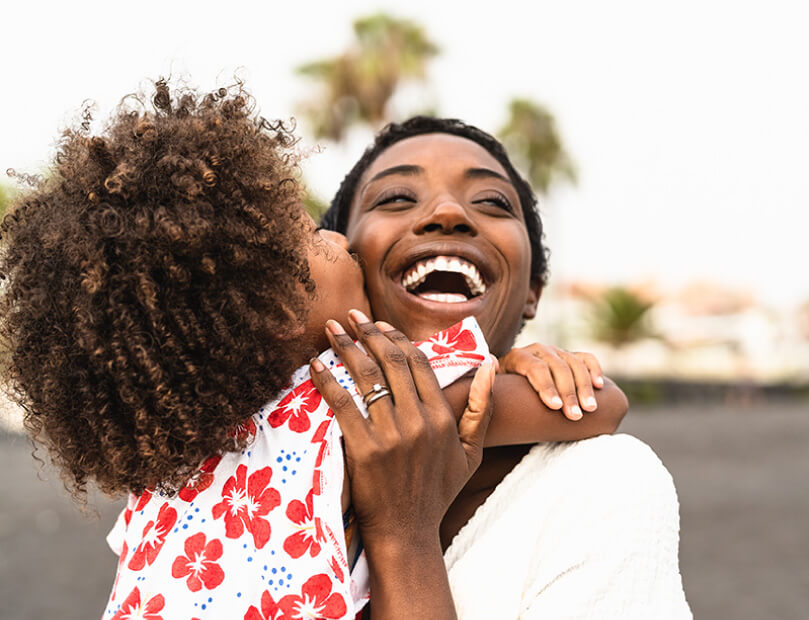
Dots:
pixel 444 278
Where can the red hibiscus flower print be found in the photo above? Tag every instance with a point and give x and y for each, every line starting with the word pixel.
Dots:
pixel 154 535
pixel 201 481
pixel 304 539
pixel 144 499
pixel 199 563
pixel 296 407
pixel 121 560
pixel 244 430
pixel 453 339
pixel 132 607
pixel 269 609
pixel 335 566
pixel 315 601
pixel 245 501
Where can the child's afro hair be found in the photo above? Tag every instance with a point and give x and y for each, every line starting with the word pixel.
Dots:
pixel 150 287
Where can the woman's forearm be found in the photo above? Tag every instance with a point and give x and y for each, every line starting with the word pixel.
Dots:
pixel 409 580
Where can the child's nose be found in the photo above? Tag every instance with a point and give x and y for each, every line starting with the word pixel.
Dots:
pixel 335 237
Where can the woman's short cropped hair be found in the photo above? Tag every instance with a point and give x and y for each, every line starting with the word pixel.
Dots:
pixel 336 217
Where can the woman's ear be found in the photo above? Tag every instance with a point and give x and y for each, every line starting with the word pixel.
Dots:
pixel 534 293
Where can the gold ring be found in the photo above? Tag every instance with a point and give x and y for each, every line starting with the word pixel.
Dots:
pixel 374 394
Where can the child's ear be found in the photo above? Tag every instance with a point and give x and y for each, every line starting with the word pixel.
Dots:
pixel 534 293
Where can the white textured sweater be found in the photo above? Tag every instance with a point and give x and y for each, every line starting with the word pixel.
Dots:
pixel 586 530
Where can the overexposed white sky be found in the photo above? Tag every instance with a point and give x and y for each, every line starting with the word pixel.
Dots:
pixel 689 121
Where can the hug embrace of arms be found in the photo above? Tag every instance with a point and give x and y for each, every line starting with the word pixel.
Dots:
pixel 165 283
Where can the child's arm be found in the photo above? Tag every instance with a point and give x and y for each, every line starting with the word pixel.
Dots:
pixel 521 417
pixel 563 379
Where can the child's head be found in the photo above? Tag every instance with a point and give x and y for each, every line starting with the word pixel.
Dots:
pixel 157 287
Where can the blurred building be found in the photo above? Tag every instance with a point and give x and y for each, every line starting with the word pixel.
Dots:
pixel 702 332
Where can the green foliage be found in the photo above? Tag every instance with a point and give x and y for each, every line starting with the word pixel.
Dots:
pixel 315 206
pixel 6 195
pixel 620 316
pixel 534 144
pixel 357 85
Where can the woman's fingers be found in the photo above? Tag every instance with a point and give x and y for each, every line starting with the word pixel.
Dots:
pixel 477 414
pixel 340 401
pixel 391 359
pixel 365 372
pixel 419 369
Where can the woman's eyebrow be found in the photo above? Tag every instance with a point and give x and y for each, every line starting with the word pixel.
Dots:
pixel 404 169
pixel 484 173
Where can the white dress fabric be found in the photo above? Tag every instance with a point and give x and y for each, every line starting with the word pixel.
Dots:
pixel 258 534
pixel 586 530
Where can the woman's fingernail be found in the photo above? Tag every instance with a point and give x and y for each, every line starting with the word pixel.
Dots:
pixel 575 412
pixel 334 327
pixel 599 381
pixel 591 402
pixel 317 365
pixel 385 326
pixel 358 317
pixel 556 402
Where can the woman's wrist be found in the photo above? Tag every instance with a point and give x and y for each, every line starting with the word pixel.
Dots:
pixel 408 578
pixel 402 547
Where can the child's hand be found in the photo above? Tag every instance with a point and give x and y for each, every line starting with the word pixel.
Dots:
pixel 409 460
pixel 563 380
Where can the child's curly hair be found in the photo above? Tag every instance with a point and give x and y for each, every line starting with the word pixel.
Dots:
pixel 148 284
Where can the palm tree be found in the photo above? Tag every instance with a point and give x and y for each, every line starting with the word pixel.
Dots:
pixel 620 317
pixel 534 143
pixel 357 85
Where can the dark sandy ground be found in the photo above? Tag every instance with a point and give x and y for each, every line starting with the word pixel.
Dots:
pixel 742 476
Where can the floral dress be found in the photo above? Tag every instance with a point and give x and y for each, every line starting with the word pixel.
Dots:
pixel 258 534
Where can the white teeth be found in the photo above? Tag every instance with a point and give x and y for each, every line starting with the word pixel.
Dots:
pixel 450 298
pixel 414 276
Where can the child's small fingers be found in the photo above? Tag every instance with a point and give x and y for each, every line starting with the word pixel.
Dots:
pixel 593 367
pixel 540 378
pixel 566 386
pixel 584 384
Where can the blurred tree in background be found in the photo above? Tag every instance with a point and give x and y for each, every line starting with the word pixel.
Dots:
pixel 356 85
pixel 620 316
pixel 6 194
pixel 535 146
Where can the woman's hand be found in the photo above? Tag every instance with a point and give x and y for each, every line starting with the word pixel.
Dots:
pixel 563 380
pixel 409 460
pixel 406 463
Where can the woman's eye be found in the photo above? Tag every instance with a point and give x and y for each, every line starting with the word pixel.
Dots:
pixel 495 199
pixel 393 198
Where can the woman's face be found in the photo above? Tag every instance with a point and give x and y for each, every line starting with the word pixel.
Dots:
pixel 441 234
pixel 339 284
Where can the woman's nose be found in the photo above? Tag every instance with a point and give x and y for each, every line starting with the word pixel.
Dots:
pixel 448 216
